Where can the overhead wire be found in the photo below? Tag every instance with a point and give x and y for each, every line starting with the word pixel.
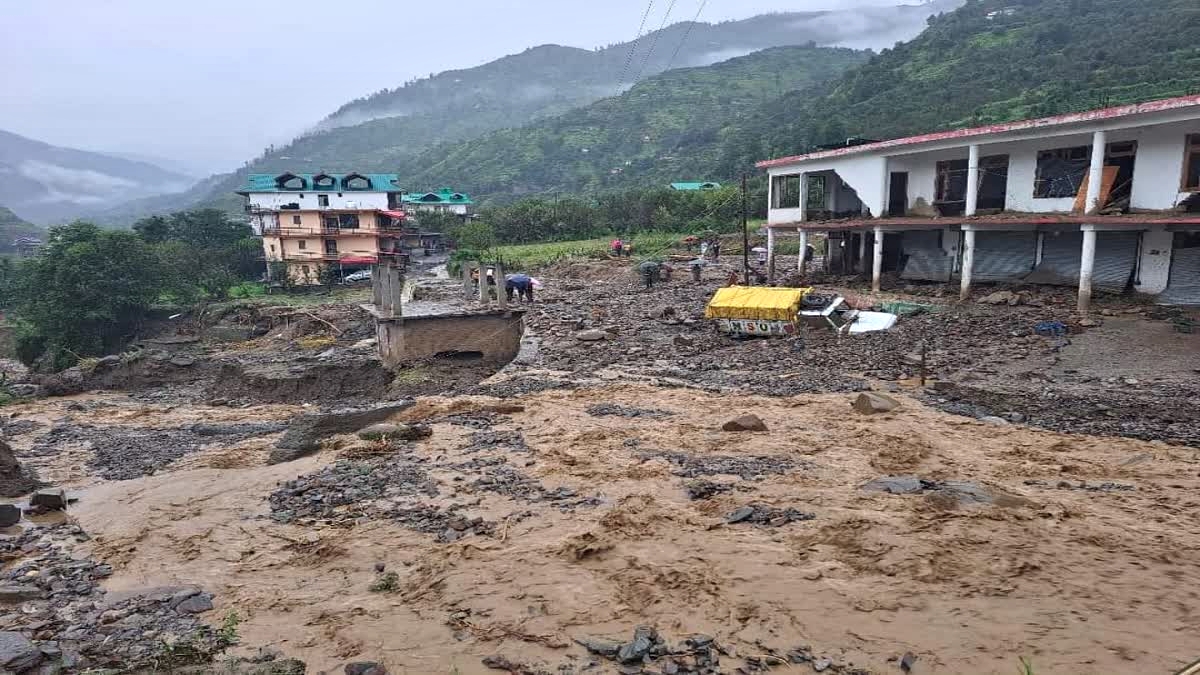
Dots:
pixel 686 34
pixel 633 47
pixel 654 42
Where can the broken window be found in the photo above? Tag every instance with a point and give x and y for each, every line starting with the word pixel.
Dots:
pixel 785 191
pixel 348 221
pixel 815 196
pixel 296 220
pixel 323 201
pixel 1191 164
pixel 1060 172
pixel 951 184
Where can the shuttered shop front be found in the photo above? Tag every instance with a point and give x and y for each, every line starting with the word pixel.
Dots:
pixel 1004 256
pixel 1183 285
pixel 926 261
pixel 1116 258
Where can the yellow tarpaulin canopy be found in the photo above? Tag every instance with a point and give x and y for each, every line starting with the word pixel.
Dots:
pixel 748 302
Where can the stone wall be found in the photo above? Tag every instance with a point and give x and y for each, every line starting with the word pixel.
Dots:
pixel 493 337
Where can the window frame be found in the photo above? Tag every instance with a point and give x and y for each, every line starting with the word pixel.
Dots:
pixel 1191 153
pixel 777 194
pixel 1065 154
pixel 296 220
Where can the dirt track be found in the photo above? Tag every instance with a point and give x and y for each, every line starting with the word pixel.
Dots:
pixel 1082 581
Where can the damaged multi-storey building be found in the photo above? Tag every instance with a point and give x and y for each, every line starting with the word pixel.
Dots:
pixel 1106 199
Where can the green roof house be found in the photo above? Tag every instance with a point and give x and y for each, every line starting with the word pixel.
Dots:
pixel 694 187
pixel 445 200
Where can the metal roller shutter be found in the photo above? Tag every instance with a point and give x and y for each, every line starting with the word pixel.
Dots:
pixel 1183 285
pixel 926 259
pixel 1004 256
pixel 1116 258
pixel 1060 259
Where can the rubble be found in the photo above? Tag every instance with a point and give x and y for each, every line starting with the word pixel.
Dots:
pixel 346 490
pixel 762 514
pixel 395 432
pixel 15 479
pixel 746 467
pixel 613 410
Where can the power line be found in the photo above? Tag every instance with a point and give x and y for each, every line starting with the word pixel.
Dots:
pixel 633 47
pixel 687 33
pixel 654 42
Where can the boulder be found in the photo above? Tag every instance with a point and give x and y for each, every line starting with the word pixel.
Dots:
pixel 200 602
pixel 1001 298
pixel 15 480
pixel 385 431
pixel 17 652
pixel 53 499
pixel 593 335
pixel 994 420
pixel 746 422
pixel 636 649
pixel 9 515
pixel 15 594
pixel 24 390
pixel 305 432
pixel 182 361
pixel 872 402
pixel 365 668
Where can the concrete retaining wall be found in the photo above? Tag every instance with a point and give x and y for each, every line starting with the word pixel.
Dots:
pixel 493 337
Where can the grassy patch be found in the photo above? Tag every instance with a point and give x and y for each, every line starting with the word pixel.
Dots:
pixel 532 256
pixel 388 582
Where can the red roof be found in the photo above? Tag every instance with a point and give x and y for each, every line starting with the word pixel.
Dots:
pixel 358 260
pixel 1057 120
pixel 395 214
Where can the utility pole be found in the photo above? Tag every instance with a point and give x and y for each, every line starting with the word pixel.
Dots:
pixel 745 231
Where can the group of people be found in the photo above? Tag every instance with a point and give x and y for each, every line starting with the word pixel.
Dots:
pixel 621 248
pixel 518 285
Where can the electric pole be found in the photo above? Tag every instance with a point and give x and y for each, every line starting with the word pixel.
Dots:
pixel 745 231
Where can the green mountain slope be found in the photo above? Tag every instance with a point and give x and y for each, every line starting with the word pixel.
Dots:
pixel 653 131
pixel 989 61
pixel 389 128
pixel 12 226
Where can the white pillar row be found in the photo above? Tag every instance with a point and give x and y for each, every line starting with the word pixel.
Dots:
pixel 877 263
pixel 968 262
pixel 1096 173
pixel 803 197
pixel 862 252
pixel 973 181
pixel 803 250
pixel 1087 263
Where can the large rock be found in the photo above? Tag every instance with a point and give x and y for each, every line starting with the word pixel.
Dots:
pixel 745 423
pixel 15 480
pixel 53 499
pixel 365 668
pixel 1001 298
pixel 385 431
pixel 10 515
pixel 305 432
pixel 17 653
pixel 872 402
pixel 593 335
pixel 15 594
pixel 24 390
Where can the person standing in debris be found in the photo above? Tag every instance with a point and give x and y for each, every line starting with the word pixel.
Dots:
pixel 649 272
pixel 627 248
pixel 704 249
pixel 697 267
pixel 716 249
pixel 521 284
pixel 617 246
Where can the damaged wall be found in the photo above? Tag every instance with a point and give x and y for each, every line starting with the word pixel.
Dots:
pixel 1155 265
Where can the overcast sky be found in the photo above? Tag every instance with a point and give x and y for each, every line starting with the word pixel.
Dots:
pixel 210 83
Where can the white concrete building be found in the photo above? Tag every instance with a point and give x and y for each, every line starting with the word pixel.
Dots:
pixel 1106 199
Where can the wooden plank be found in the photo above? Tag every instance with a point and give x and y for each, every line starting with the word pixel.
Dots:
pixel 1106 186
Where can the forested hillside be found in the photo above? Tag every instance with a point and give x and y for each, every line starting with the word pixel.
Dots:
pixel 989 61
pixel 652 131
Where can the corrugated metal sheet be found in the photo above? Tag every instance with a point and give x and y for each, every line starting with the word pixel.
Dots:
pixel 926 259
pixel 1004 256
pixel 1116 258
pixel 1183 286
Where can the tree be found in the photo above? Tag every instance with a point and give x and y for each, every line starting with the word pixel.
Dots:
pixel 205 248
pixel 475 235
pixel 86 294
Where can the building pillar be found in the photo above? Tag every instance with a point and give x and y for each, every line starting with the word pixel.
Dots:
pixel 800 257
pixel 968 262
pixel 1096 173
pixel 861 266
pixel 468 289
pixel 803 197
pixel 877 263
pixel 770 254
pixel 1087 263
pixel 501 293
pixel 973 181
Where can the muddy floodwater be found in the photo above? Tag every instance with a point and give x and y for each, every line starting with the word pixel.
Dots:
pixel 522 527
